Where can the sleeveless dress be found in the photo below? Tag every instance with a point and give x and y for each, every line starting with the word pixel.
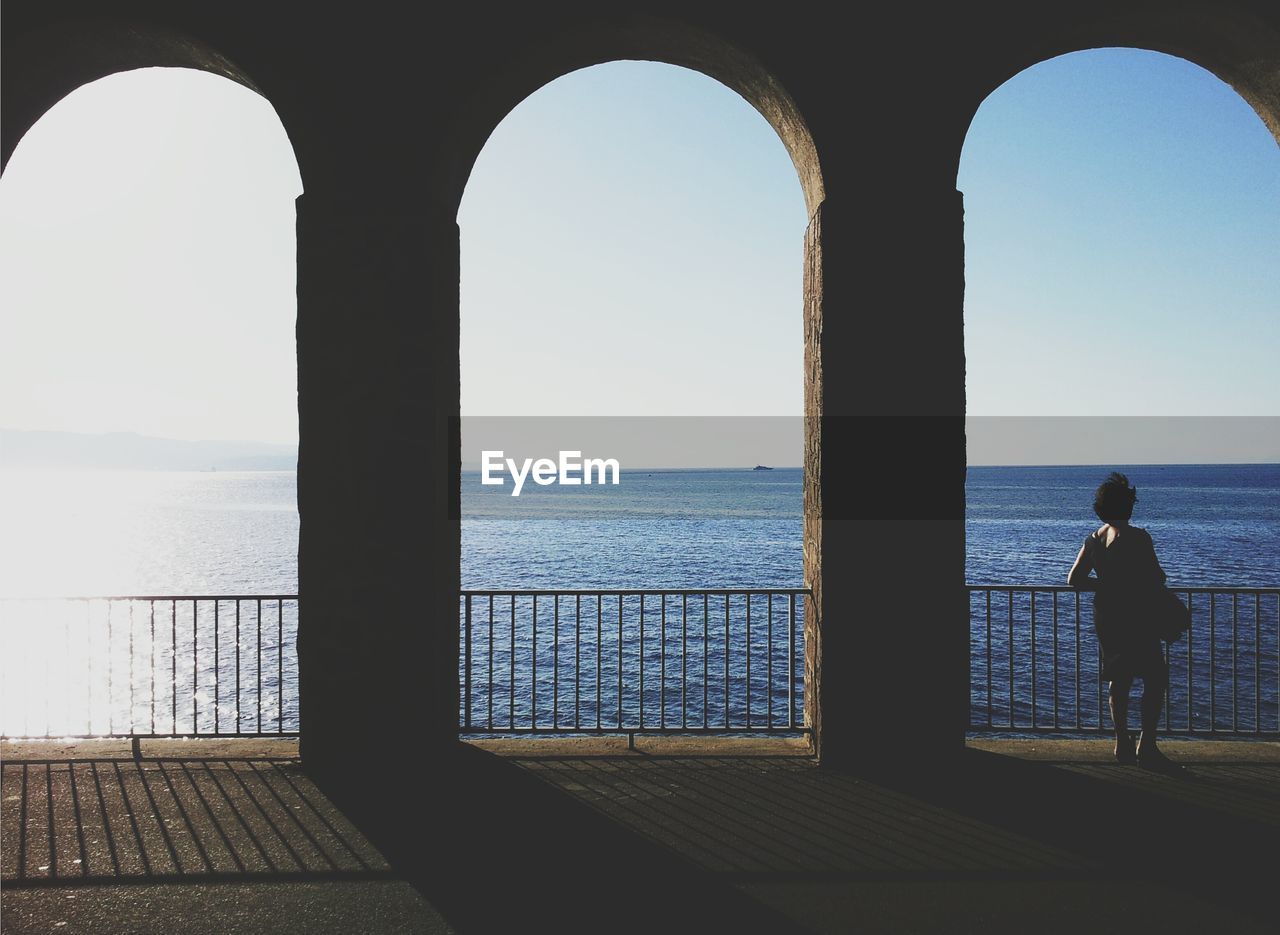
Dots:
pixel 1128 574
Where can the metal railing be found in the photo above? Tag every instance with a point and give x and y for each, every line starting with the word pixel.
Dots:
pixel 632 661
pixel 1034 663
pixel 607 661
pixel 149 666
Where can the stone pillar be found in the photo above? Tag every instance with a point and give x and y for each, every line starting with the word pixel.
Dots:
pixel 813 401
pixel 884 508
pixel 378 393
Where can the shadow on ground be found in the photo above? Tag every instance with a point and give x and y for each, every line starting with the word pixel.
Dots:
pixel 985 843
pixel 491 843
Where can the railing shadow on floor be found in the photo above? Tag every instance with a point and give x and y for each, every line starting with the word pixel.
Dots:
pixel 85 822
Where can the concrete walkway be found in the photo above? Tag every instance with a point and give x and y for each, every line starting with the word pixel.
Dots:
pixel 1043 836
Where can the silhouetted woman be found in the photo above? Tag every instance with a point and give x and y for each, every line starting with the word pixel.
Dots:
pixel 1124 559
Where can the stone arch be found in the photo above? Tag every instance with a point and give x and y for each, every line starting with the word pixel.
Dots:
pixel 686 46
pixel 1228 41
pixel 46 64
pixel 648 40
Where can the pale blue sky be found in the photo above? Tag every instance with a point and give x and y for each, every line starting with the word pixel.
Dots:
pixel 632 245
pixel 1128 200
pixel 632 238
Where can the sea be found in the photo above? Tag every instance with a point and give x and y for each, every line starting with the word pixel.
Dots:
pixel 125 533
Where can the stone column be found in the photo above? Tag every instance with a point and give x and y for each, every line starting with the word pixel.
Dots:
pixel 378 391
pixel 885 507
pixel 813 403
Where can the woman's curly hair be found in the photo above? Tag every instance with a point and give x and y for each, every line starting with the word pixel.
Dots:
pixel 1114 499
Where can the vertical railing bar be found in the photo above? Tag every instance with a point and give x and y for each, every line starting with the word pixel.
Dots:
pixel 280 667
pixel 490 691
pixel 990 720
pixel 533 655
pixel 620 601
pixel 1033 659
pixel 726 660
pixel 684 660
pixel 641 719
pixel 131 702
pixel 48 679
pixel 237 665
pixel 706 653
pixel 1235 661
pixel 791 661
pixel 66 648
pixel 1010 657
pixel 1055 660
pixel 747 595
pixel 25 640
pixel 555 664
pixel 1190 670
pixel 466 662
pixel 217 672
pixel 511 682
pixel 88 651
pixel 111 703
pixel 768 692
pixel 173 621
pixel 153 665
pixel 599 655
pixel 1077 615
pixel 662 663
pixel 1257 654
pixel 258 647
pixel 195 669
pixel 577 660
pixel 1213 661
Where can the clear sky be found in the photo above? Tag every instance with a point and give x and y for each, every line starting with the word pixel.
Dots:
pixel 632 244
pixel 632 240
pixel 148 263
pixel 1122 243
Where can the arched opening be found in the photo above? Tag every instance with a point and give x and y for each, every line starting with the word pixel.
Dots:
pixel 633 245
pixel 150 412
pixel 1120 233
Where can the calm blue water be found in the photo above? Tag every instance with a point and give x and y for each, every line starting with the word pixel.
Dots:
pixel 656 529
pixel 167 533
pixel 207 533
pixel 1211 524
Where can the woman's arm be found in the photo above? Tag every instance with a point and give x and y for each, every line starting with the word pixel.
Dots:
pixel 1078 577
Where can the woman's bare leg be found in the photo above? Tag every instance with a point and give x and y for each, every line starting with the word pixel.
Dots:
pixel 1118 699
pixel 1153 691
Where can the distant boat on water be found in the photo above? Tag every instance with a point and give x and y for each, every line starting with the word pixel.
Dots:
pixel 761 467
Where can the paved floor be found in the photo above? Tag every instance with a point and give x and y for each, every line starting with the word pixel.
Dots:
pixel 110 844
pixel 1018 836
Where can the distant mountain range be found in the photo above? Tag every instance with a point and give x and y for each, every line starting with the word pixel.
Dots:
pixel 130 451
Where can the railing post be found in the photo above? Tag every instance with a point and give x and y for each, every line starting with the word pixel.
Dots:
pixel 466 678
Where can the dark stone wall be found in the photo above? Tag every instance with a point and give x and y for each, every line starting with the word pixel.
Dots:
pixel 387 106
